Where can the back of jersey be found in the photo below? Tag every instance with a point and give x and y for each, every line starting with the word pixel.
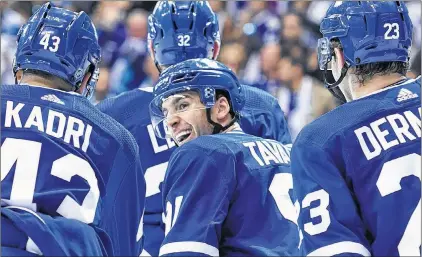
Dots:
pixel 131 110
pixel 357 176
pixel 59 154
pixel 262 198
pixel 385 169
pixel 236 201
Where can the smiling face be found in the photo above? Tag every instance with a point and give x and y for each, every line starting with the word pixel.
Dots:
pixel 186 117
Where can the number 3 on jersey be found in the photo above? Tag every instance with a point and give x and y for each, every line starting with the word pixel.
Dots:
pixel 26 155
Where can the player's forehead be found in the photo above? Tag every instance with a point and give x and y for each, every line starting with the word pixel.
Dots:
pixel 172 100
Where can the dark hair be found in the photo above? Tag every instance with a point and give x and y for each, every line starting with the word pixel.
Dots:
pixel 367 71
pixel 296 61
pixel 59 82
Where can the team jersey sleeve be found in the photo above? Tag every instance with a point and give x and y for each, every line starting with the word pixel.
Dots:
pixel 283 134
pixel 124 203
pixel 197 191
pixel 328 217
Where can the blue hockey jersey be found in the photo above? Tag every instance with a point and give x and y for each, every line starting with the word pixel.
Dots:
pixel 356 173
pixel 131 109
pixel 62 157
pixel 60 236
pixel 263 117
pixel 229 195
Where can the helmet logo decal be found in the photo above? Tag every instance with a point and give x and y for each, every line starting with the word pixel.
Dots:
pixel 209 92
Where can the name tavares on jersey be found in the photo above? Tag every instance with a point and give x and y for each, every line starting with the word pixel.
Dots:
pixel 270 152
pixel 389 131
pixel 58 125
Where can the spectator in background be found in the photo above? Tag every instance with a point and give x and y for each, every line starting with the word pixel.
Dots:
pixel 219 9
pixel 292 31
pixel 14 15
pixel 301 97
pixel 127 71
pixel 261 70
pixel 109 18
pixel 151 71
pixel 257 19
pixel 101 89
pixel 233 56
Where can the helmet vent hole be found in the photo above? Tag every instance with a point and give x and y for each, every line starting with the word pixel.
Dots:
pixel 65 63
pixel 366 23
pixel 183 77
pixel 175 25
pixel 371 47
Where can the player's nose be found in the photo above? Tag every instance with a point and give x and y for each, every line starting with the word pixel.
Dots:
pixel 173 121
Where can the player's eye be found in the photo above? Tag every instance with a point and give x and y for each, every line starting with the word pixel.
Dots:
pixel 182 106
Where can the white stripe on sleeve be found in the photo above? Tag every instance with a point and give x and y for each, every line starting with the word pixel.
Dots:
pixel 189 246
pixel 341 247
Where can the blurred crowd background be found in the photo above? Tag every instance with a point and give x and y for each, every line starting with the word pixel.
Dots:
pixel 268 44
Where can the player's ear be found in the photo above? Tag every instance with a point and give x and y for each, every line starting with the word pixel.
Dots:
pixel 84 83
pixel 216 51
pixel 19 75
pixel 339 58
pixel 222 108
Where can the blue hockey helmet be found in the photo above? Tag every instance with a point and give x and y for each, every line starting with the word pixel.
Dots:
pixel 204 76
pixel 61 43
pixel 369 32
pixel 181 30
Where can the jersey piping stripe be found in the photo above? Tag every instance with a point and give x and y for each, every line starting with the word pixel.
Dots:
pixel 341 247
pixel 189 246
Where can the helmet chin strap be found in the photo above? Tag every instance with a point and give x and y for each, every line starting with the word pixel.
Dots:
pixel 218 128
pixel 333 87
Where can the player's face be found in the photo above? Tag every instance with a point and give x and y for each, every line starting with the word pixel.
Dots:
pixel 185 117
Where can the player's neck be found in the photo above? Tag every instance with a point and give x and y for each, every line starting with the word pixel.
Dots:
pixel 232 127
pixel 39 81
pixel 377 83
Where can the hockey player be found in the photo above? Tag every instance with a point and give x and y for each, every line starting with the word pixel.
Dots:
pixel 226 192
pixel 356 170
pixel 191 31
pixel 71 180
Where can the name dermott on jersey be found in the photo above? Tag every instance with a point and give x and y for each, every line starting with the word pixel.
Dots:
pixel 389 131
pixel 58 125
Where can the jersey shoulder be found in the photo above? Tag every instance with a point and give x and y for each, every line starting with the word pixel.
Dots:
pixel 204 145
pixel 218 145
pixel 256 98
pixel 71 104
pixel 354 113
pixel 125 106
